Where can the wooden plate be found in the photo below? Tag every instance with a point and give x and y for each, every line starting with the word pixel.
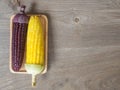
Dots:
pixel 44 21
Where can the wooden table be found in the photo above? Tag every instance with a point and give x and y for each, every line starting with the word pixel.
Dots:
pixel 84 45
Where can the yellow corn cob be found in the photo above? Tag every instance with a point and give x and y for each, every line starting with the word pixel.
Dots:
pixel 35 47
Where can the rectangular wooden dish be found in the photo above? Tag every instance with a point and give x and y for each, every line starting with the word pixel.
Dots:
pixel 44 21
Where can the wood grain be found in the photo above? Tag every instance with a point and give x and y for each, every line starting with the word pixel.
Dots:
pixel 84 45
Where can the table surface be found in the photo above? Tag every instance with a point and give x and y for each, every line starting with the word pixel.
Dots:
pixel 84 45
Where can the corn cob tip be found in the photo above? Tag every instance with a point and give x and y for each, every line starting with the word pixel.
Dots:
pixel 34 69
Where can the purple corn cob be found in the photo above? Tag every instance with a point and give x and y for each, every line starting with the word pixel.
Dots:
pixel 19 31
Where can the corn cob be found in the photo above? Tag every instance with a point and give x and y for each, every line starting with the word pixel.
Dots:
pixel 34 47
pixel 19 31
